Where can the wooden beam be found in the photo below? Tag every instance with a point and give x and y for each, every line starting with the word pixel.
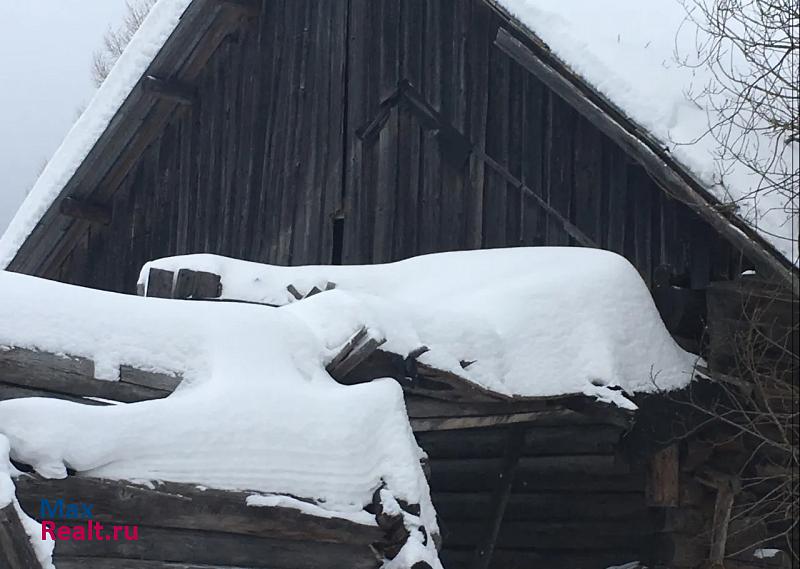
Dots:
pixel 485 550
pixel 154 380
pixel 663 473
pixel 86 211
pixel 669 174
pixel 249 8
pixel 186 506
pixel 294 292
pixel 16 550
pixel 480 422
pixel 73 376
pixel 722 519
pixel 570 228
pixel 159 283
pixel 357 353
pixel 196 285
pixel 169 90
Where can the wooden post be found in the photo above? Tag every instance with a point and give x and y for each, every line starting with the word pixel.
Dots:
pixel 663 475
pixel 16 551
pixel 484 551
pixel 722 518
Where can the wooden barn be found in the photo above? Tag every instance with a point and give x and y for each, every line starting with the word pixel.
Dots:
pixel 296 132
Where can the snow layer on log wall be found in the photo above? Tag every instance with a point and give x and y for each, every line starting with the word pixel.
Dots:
pixel 536 322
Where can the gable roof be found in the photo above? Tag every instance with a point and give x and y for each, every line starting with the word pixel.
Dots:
pixel 621 72
pixel 646 61
pixel 610 86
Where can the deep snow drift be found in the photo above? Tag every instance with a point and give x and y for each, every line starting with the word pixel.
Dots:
pixel 257 410
pixel 537 322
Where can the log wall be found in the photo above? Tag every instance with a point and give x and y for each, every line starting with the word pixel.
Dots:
pixel 370 131
pixel 573 503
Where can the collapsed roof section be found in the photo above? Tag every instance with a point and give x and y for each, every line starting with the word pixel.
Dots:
pixel 255 405
pixel 522 322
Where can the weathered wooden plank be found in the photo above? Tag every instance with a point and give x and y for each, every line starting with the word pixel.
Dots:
pixel 663 488
pixel 77 562
pixel 554 217
pixel 86 211
pixel 159 283
pixel 500 496
pixel 10 391
pixel 420 406
pixel 66 375
pixel 16 550
pixel 459 423
pixel 552 535
pixel 526 559
pixel 420 379
pixel 185 506
pixel 155 380
pixel 478 54
pixel 355 339
pixel 196 285
pixel 358 354
pixel 539 440
pixel 170 90
pixel 476 473
pixel 723 508
pixel 544 506
pixel 214 549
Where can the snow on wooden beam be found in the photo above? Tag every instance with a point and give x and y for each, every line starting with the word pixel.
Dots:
pixel 185 506
pixel 355 352
pixel 169 90
pixel 16 551
pixel 86 211
pixel 25 372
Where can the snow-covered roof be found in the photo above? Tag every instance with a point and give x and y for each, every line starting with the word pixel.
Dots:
pixel 537 322
pixel 256 409
pixel 84 134
pixel 639 56
pixel 623 48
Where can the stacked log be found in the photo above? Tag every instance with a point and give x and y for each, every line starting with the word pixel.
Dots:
pixel 573 502
pixel 181 525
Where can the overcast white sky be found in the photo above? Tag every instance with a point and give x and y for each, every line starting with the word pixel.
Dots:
pixel 46 50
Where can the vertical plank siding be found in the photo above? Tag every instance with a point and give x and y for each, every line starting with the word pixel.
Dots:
pixel 271 156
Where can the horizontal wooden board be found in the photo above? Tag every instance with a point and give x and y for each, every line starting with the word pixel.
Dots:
pixel 74 376
pixel 184 506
